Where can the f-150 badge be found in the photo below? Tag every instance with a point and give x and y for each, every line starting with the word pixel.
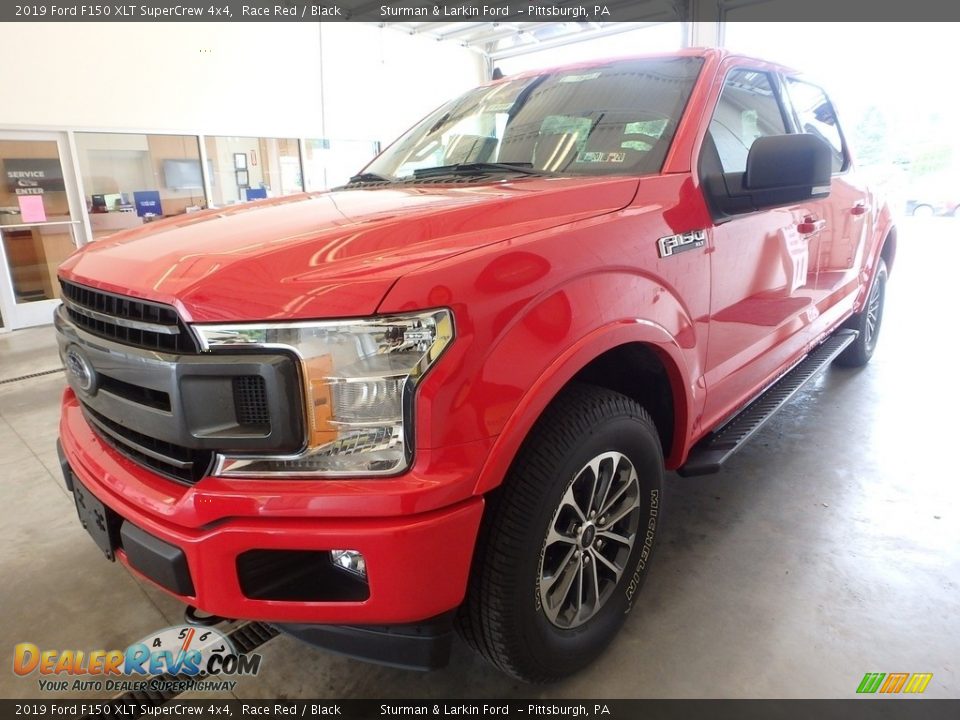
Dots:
pixel 673 244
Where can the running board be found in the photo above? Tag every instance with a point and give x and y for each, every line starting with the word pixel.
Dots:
pixel 711 452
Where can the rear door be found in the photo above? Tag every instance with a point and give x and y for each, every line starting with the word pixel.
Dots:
pixel 845 217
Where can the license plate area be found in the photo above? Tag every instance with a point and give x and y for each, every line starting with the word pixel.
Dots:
pixel 100 522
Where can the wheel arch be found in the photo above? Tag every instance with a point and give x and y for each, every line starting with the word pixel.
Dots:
pixel 888 249
pixel 636 358
pixel 639 371
pixel 885 249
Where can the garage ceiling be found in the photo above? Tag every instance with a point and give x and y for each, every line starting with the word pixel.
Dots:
pixel 498 40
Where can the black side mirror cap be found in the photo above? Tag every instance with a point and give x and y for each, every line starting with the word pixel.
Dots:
pixel 779 162
pixel 781 170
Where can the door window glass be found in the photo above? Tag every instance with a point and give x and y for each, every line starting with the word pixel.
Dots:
pixel 748 109
pixel 817 117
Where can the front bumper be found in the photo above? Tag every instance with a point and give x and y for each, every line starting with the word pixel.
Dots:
pixel 416 533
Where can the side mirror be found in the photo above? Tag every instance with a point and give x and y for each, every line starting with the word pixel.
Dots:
pixel 784 169
pixel 781 170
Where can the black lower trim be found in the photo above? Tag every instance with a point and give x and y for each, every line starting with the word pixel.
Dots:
pixel 297 576
pixel 415 646
pixel 65 467
pixel 160 561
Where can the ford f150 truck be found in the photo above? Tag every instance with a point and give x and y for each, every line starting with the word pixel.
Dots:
pixel 445 395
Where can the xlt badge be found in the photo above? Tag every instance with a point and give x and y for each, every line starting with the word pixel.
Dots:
pixel 673 244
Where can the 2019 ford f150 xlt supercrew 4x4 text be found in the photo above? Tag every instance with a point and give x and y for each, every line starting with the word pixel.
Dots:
pixel 446 393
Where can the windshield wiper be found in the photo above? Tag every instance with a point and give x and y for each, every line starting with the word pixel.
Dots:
pixel 368 177
pixel 478 168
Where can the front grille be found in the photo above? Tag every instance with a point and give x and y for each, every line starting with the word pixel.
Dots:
pixel 135 393
pixel 174 461
pixel 250 400
pixel 128 321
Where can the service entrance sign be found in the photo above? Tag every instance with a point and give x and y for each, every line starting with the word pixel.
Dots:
pixel 33 176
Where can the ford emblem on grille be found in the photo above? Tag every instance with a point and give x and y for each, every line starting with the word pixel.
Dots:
pixel 82 375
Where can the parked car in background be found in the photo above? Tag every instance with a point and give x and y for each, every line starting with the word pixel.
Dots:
pixel 930 208
pixel 934 196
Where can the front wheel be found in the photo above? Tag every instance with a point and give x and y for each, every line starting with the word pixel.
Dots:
pixel 567 540
pixel 867 322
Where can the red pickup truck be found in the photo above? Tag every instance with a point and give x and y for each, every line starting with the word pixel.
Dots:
pixel 445 395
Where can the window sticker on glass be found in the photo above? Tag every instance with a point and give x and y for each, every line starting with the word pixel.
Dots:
pixel 579 78
pixel 601 157
pixel 653 128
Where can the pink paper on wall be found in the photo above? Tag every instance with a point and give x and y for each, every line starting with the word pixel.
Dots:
pixel 31 209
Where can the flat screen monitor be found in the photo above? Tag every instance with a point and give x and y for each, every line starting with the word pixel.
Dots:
pixel 182 174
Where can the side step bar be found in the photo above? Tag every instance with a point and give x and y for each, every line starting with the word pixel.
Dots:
pixel 711 452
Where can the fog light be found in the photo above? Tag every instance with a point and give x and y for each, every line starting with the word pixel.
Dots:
pixel 350 560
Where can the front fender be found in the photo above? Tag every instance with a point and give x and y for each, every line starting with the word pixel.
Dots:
pixel 531 311
pixel 519 340
pixel 552 378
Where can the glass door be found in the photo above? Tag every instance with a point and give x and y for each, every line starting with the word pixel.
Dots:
pixel 39 225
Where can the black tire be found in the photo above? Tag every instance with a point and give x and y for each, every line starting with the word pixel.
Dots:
pixel 505 616
pixel 867 322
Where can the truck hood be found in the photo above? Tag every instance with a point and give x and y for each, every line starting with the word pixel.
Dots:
pixel 324 255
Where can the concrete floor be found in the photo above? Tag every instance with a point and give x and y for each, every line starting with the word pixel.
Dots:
pixel 828 548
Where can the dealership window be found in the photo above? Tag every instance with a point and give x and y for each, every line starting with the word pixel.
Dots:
pixel 329 163
pixel 252 168
pixel 36 228
pixel 130 179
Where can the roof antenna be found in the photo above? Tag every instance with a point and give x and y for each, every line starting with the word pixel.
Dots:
pixel 497 74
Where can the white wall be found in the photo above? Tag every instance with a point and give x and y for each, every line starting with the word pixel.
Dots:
pixel 377 78
pixel 227 78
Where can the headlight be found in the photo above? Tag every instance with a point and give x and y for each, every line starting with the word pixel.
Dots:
pixel 359 376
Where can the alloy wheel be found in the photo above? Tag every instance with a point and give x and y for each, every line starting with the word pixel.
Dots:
pixel 589 540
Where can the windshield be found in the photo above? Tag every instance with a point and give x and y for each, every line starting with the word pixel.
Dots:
pixel 617 118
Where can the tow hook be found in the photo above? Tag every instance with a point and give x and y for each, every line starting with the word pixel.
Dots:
pixel 192 616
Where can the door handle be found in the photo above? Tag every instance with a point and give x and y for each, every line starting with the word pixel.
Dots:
pixel 811 225
pixel 859 209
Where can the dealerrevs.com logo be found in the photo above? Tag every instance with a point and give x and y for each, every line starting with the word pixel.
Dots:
pixel 200 658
